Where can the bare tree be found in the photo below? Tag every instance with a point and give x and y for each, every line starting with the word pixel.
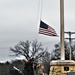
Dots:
pixel 56 52
pixel 46 58
pixel 29 49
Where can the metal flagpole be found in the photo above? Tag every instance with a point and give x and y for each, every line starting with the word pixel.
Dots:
pixel 62 29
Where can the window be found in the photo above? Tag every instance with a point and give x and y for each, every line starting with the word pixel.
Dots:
pixel 66 68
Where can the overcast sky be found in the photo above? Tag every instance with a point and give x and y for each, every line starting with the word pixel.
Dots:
pixel 19 21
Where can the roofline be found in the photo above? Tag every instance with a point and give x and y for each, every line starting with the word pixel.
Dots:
pixel 62 62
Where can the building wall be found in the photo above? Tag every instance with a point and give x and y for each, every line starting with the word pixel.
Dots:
pixel 61 70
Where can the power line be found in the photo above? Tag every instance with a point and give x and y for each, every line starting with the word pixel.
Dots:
pixel 70 40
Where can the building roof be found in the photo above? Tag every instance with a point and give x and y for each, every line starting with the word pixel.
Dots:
pixel 62 62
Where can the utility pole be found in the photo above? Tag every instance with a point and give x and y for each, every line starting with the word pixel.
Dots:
pixel 70 40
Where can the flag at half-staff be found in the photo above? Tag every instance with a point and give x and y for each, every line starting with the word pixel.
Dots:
pixel 46 29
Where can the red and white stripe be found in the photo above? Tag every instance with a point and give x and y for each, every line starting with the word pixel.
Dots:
pixel 50 31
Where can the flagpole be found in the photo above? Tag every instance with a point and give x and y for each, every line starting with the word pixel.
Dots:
pixel 62 29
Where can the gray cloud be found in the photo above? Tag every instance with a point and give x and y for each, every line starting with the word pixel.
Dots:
pixel 19 20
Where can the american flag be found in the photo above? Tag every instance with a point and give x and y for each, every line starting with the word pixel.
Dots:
pixel 46 29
